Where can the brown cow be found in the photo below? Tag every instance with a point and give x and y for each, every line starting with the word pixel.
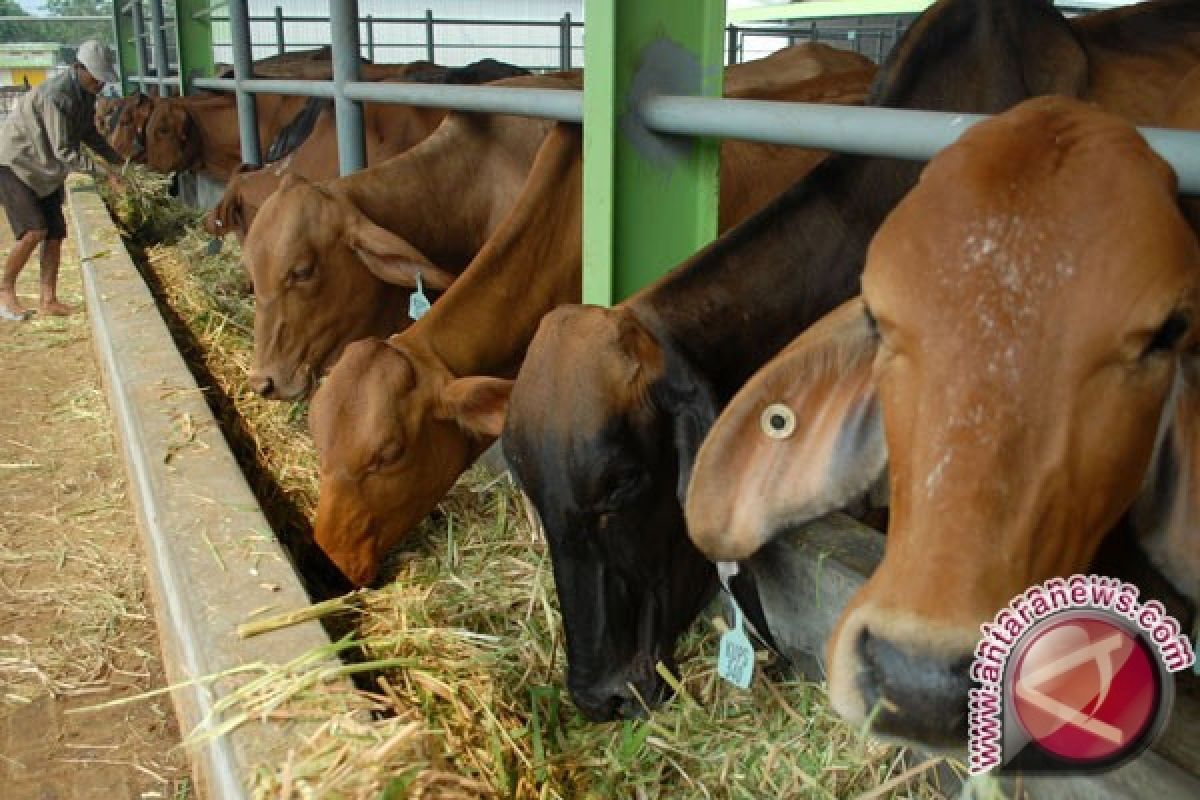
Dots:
pixel 481 160
pixel 201 133
pixel 389 130
pixel 1016 364
pixel 332 262
pixel 604 457
pixel 397 423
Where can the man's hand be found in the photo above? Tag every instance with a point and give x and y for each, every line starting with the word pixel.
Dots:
pixel 115 184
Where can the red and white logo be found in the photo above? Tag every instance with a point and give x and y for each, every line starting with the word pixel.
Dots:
pixel 1074 675
pixel 1085 688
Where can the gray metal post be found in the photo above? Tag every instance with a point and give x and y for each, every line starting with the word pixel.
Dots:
pixel 564 42
pixel 731 45
pixel 343 28
pixel 158 40
pixel 239 29
pixel 428 34
pixel 279 43
pixel 371 38
pixel 139 42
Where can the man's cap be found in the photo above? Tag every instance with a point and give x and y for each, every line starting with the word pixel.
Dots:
pixel 98 60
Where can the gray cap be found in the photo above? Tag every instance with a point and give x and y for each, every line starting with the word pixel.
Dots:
pixel 98 60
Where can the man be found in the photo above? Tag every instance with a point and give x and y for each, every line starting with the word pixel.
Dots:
pixel 39 146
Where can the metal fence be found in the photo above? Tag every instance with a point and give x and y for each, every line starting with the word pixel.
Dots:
pixel 916 135
pixel 450 41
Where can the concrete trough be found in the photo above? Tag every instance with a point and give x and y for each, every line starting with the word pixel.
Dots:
pixel 807 577
pixel 212 558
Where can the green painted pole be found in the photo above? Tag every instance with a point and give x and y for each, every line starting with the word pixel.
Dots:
pixel 193 39
pixel 643 214
pixel 126 52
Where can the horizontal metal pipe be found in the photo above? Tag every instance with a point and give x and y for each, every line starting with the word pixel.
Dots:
pixel 169 80
pixel 565 105
pixel 521 23
pixel 911 135
pixel 884 132
pixel 269 86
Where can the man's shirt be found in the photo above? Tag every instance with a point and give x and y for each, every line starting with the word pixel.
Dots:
pixel 40 139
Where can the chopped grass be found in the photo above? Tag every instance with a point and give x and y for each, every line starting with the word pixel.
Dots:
pixel 465 640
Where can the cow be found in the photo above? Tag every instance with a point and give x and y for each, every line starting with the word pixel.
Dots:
pixel 1026 375
pixel 432 390
pixel 333 261
pixel 469 173
pixel 388 131
pixel 610 405
pixel 201 133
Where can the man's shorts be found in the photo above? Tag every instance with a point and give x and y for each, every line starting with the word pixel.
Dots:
pixel 28 212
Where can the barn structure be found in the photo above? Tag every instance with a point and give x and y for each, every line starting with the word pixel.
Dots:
pixel 652 119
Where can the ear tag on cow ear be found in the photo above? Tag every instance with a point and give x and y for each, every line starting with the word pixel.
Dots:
pixel 418 303
pixel 735 662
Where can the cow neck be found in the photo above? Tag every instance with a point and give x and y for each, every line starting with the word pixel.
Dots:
pixel 736 303
pixel 533 262
pixel 215 120
pixel 409 195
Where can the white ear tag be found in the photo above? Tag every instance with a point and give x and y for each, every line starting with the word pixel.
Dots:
pixel 735 663
pixel 418 303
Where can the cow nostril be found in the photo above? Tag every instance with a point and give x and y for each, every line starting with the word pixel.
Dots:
pixel 914 693
pixel 263 385
pixel 630 708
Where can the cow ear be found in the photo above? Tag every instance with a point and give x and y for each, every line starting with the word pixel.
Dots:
pixel 1166 513
pixel 803 438
pixel 477 403
pixel 392 259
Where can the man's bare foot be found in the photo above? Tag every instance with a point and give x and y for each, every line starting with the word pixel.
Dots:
pixel 10 308
pixel 56 309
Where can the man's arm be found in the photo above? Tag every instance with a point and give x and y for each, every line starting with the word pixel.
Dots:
pixel 57 130
pixel 101 147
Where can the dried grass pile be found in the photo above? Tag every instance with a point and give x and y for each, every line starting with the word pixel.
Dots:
pixel 466 641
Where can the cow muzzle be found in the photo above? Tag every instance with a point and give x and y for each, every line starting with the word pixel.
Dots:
pixel 267 383
pixel 627 694
pixel 911 682
pixel 262 384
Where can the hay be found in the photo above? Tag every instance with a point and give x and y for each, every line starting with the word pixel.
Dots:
pixel 467 650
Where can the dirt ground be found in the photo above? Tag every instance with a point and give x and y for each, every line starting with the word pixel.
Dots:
pixel 75 624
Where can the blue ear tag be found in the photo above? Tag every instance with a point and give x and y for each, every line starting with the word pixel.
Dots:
pixel 735 663
pixel 418 303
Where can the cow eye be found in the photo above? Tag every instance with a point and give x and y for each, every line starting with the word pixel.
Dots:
pixel 1168 334
pixel 627 485
pixel 389 454
pixel 302 272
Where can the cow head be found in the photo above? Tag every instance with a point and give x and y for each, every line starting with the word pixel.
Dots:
pixel 172 140
pixel 123 123
pixel 1027 309
pixel 324 276
pixel 603 470
pixel 229 215
pixel 394 430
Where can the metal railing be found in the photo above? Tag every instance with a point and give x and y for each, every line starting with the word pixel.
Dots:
pixel 425 42
pixel 888 133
